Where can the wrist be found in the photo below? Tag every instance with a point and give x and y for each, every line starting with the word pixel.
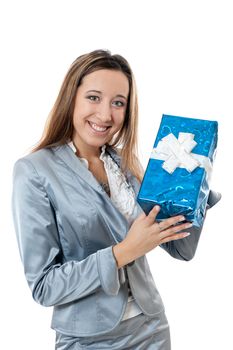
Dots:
pixel 122 254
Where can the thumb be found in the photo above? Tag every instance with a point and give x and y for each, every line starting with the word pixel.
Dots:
pixel 141 216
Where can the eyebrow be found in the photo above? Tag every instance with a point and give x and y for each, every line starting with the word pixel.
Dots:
pixel 99 92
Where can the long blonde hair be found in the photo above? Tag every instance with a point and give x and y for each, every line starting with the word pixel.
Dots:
pixel 59 125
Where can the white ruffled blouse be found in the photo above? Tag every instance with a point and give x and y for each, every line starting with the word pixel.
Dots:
pixel 123 197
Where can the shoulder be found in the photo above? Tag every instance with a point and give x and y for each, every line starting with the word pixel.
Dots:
pixel 29 164
pixel 37 156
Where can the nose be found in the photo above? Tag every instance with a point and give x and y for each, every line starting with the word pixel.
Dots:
pixel 104 112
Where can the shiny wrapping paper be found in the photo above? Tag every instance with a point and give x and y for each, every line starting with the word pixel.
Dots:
pixel 178 173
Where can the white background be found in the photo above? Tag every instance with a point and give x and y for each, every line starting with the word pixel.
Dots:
pixel 180 52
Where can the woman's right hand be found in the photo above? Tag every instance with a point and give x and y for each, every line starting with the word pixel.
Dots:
pixel 145 234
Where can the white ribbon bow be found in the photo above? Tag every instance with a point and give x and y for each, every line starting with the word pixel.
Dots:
pixel 176 153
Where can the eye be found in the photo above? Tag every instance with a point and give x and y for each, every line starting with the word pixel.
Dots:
pixel 119 103
pixel 93 98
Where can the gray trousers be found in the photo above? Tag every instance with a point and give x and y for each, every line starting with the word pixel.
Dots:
pixel 136 333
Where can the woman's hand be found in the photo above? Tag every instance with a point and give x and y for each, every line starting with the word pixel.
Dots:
pixel 145 234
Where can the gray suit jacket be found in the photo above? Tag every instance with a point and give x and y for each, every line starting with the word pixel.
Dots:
pixel 66 226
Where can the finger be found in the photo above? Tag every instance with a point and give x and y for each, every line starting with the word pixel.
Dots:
pixel 153 213
pixel 141 216
pixel 163 225
pixel 175 237
pixel 174 229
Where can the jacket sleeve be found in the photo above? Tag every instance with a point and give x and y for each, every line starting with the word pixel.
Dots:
pixel 51 281
pixel 185 248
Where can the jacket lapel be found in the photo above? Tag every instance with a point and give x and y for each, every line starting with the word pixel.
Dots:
pixel 72 161
pixel 118 222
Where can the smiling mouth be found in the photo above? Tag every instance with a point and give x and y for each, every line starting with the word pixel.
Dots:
pixel 98 128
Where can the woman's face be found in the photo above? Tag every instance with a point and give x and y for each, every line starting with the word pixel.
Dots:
pixel 100 107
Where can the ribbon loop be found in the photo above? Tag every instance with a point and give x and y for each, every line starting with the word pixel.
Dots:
pixel 176 153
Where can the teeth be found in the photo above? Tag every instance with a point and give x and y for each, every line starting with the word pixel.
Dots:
pixel 97 128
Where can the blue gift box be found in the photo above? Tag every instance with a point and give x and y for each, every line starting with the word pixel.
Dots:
pixel 178 173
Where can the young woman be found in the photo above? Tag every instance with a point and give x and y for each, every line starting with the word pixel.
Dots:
pixel 82 236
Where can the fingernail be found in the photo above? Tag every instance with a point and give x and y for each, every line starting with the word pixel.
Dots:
pixel 189 225
pixel 186 234
pixel 157 207
pixel 182 218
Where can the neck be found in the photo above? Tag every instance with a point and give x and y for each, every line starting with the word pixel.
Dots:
pixel 88 152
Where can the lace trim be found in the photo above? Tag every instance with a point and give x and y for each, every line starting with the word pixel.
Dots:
pixel 121 193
